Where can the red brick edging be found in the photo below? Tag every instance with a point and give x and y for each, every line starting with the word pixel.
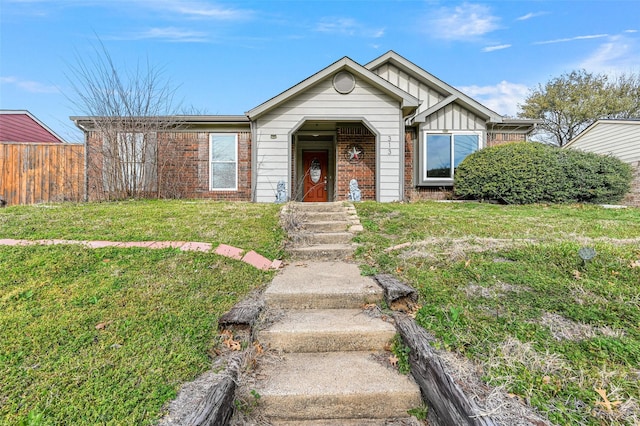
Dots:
pixel 252 258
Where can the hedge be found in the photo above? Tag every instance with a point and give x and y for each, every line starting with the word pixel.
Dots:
pixel 531 172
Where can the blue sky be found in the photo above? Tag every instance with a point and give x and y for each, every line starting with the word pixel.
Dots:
pixel 226 57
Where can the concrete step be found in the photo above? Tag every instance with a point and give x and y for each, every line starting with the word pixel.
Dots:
pixel 322 216
pixel 318 207
pixel 401 421
pixel 329 385
pixel 315 238
pixel 321 285
pixel 323 251
pixel 327 330
pixel 327 226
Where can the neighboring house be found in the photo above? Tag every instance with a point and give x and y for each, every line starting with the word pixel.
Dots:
pixel 389 124
pixel 22 127
pixel 619 138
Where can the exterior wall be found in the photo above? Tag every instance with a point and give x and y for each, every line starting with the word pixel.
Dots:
pixel 410 84
pixel 621 140
pixel 182 167
pixel 322 102
pixel 363 171
pixel 454 117
pixel 495 139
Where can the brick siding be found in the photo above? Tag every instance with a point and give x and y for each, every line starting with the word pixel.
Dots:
pixel 495 139
pixel 364 171
pixel 182 169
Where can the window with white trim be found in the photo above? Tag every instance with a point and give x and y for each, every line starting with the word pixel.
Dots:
pixel 223 158
pixel 443 152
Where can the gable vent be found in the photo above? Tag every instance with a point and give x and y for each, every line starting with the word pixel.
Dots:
pixel 344 82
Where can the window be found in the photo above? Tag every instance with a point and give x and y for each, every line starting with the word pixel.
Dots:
pixel 223 148
pixel 443 152
pixel 129 162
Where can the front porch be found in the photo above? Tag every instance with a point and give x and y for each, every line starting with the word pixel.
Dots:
pixel 326 156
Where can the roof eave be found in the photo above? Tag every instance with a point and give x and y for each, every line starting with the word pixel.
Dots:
pixel 86 123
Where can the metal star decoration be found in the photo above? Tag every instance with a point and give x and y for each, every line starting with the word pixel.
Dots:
pixel 354 153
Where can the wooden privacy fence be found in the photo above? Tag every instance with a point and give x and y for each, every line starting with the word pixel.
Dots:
pixel 41 172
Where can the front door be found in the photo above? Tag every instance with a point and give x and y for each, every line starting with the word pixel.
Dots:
pixel 315 176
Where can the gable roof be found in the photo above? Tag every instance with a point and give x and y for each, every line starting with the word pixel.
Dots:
pixel 408 102
pixel 604 121
pixel 451 94
pixel 21 126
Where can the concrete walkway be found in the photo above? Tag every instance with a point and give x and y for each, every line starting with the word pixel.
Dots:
pixel 251 257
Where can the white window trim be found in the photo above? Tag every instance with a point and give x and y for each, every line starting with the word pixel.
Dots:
pixel 423 159
pixel 211 161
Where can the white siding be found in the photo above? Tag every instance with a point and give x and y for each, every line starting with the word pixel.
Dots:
pixel 411 85
pixel 454 117
pixel 621 140
pixel 322 102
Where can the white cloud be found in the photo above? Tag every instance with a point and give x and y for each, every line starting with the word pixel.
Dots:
pixel 464 22
pixel 630 31
pixel 171 34
pixel 530 15
pixel 564 40
pixel 502 98
pixel 494 48
pixel 348 27
pixel 198 9
pixel 617 55
pixel 29 86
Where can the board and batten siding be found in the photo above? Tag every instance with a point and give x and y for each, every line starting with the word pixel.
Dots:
pixel 394 75
pixel 451 117
pixel 273 134
pixel 621 140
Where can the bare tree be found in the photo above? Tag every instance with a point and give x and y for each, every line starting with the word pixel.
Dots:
pixel 133 121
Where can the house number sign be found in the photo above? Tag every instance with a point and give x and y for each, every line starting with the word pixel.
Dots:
pixel 354 153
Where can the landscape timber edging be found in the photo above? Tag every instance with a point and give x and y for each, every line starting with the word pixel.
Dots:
pixel 444 397
pixel 446 400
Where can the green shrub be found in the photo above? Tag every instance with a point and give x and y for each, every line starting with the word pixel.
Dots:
pixel 530 172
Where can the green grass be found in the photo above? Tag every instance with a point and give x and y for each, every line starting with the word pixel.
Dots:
pixel 549 327
pixel 107 336
pixel 148 220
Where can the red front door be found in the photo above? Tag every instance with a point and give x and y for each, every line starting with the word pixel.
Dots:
pixel 315 176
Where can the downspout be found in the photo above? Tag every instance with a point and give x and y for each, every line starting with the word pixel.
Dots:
pixel 86 167
pixel 254 157
pixel 402 155
pixel 85 198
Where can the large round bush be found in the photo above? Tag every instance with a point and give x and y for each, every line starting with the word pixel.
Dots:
pixel 530 172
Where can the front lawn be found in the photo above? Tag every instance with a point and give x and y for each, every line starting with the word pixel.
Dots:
pixel 505 286
pixel 106 336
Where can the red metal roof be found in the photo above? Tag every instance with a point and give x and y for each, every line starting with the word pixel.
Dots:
pixel 21 126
